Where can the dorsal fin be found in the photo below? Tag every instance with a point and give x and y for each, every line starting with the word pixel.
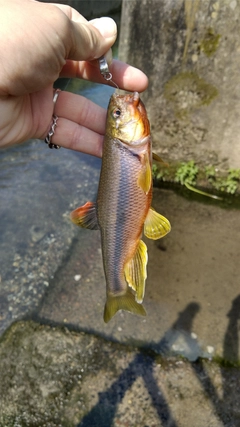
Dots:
pixel 157 158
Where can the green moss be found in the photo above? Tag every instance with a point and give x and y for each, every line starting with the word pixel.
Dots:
pixel 187 91
pixel 8 421
pixel 210 42
pixel 220 361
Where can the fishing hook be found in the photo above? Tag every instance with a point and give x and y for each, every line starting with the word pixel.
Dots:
pixel 104 70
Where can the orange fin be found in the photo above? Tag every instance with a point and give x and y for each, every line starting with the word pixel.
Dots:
pixel 136 271
pixel 122 302
pixel 86 216
pixel 156 225
pixel 145 175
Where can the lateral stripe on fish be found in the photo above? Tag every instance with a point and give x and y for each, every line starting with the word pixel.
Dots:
pixel 123 206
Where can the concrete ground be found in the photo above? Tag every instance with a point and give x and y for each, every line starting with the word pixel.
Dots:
pixel 192 291
pixel 60 365
pixel 54 377
pixel 141 372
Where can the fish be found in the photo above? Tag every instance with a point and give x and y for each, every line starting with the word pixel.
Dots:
pixel 122 210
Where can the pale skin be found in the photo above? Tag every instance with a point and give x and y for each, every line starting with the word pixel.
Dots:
pixel 39 43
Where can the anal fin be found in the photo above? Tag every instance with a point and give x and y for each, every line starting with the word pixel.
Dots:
pixel 156 225
pixel 85 216
pixel 136 271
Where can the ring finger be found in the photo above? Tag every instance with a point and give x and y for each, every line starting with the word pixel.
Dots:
pixel 81 124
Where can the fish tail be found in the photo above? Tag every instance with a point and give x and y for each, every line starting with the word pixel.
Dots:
pixel 125 302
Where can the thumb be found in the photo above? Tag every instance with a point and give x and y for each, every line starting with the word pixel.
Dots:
pixel 92 39
pixel 106 26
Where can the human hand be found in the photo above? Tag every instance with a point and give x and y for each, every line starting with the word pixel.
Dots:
pixel 39 43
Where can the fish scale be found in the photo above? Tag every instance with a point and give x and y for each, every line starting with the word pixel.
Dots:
pixel 119 193
pixel 123 206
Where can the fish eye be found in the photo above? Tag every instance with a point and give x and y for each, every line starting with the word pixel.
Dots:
pixel 116 113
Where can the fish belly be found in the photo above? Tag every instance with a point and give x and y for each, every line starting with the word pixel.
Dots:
pixel 122 207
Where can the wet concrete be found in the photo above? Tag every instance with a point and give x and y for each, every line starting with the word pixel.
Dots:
pixel 192 293
pixel 51 377
pixel 38 189
pixel 35 232
pixel 53 374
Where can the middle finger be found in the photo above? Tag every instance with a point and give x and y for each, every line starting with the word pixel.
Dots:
pixel 81 110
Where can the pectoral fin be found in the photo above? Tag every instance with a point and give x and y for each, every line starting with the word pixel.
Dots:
pixel 145 175
pixel 136 271
pixel 156 225
pixel 86 216
pixel 123 302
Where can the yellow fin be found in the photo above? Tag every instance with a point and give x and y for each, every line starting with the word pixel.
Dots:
pixel 85 216
pixel 156 225
pixel 157 158
pixel 136 271
pixel 145 175
pixel 122 302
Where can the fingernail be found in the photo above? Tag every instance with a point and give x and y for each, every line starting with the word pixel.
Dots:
pixel 106 26
pixel 109 57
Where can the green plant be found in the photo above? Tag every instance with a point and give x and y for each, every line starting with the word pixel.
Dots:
pixel 154 171
pixel 187 173
pixel 210 173
pixel 230 184
pixel 159 173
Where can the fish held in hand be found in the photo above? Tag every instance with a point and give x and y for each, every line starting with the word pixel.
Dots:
pixel 123 210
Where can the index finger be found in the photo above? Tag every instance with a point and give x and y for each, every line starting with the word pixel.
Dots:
pixel 125 76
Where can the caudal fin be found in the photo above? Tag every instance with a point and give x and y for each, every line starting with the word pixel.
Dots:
pixel 123 302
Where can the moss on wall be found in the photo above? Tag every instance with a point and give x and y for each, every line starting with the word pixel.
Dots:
pixel 187 91
pixel 210 42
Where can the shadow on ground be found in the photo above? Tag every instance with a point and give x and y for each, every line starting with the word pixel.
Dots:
pixel 103 414
pixel 52 376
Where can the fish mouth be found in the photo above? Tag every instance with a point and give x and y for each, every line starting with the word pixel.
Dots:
pixel 131 98
pixel 136 127
pixel 136 99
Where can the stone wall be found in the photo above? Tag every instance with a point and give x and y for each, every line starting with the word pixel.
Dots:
pixel 190 52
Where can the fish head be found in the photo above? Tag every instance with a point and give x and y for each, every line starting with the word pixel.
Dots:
pixel 127 119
